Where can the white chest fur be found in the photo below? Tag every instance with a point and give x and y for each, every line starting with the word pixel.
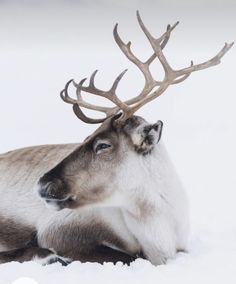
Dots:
pixel 156 207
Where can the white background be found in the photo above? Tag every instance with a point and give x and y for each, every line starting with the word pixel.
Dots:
pixel 43 44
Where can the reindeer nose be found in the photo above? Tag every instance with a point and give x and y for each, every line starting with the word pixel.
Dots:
pixel 48 190
pixel 55 193
pixel 54 189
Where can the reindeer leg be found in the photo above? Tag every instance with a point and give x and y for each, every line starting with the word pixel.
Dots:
pixel 102 254
pixel 41 255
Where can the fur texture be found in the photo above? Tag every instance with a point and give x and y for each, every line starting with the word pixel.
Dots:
pixel 114 204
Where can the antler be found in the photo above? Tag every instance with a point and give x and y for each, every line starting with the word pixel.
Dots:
pixel 148 93
pixel 79 102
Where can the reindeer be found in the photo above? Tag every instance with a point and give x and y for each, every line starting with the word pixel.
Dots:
pixel 114 197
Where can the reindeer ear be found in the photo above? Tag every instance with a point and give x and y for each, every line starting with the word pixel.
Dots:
pixel 158 126
pixel 145 135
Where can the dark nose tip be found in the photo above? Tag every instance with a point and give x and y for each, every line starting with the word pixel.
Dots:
pixel 55 192
pixel 54 189
pixel 48 190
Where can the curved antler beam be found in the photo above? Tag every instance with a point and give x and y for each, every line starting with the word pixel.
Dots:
pixel 152 88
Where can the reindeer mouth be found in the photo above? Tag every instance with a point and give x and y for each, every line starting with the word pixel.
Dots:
pixel 59 204
pixel 55 194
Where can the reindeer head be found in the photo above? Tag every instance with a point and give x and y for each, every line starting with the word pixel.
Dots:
pixel 91 174
pixel 100 170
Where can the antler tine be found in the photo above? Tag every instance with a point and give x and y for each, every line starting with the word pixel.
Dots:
pixel 91 82
pixel 209 63
pixel 126 49
pixel 184 77
pixel 117 81
pixel 156 44
pixel 91 87
pixel 166 38
pixel 64 94
pixel 149 91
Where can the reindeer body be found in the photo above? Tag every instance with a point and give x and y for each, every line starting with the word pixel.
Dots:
pixel 152 221
pixel 117 193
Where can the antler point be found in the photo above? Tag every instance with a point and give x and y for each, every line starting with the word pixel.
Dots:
pixel 74 83
pixel 129 44
pixel 138 15
pixel 82 81
pixel 115 28
pixel 123 73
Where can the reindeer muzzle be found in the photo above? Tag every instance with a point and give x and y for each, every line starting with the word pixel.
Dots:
pixel 55 193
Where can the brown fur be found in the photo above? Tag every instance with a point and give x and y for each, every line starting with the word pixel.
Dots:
pixel 73 176
pixel 14 234
pixel 80 242
pixel 26 253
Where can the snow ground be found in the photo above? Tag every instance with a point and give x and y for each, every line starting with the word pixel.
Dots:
pixel 211 259
pixel 42 47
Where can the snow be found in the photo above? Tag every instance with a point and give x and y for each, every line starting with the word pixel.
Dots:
pixel 42 47
pixel 211 259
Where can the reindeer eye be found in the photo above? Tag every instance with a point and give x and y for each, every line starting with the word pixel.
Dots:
pixel 101 146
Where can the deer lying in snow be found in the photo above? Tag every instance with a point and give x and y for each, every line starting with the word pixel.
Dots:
pixel 117 196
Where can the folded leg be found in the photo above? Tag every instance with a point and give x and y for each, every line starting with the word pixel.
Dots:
pixel 102 254
pixel 28 253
